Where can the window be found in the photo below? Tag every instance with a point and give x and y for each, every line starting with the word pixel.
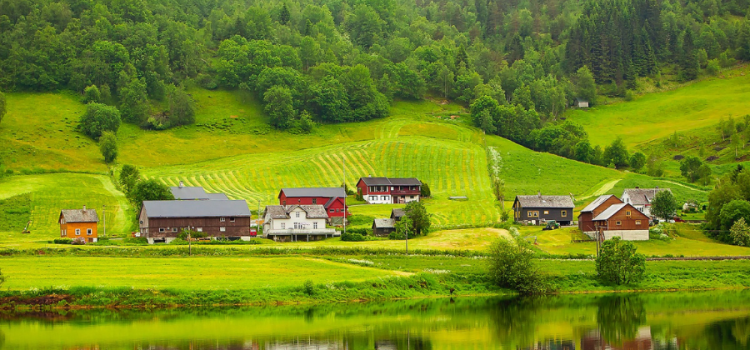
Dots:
pixel 297 225
pixel 564 213
pixel 199 229
pixel 283 225
pixel 533 214
pixel 231 219
pixel 89 231
pixel 373 198
pixel 222 229
pixel 627 213
pixel 174 229
pixel 78 232
pixel 411 197
pixel 315 201
pixel 222 219
pixel 315 225
pixel 332 210
pixel 546 212
pixel 161 229
pixel 637 222
pixel 618 223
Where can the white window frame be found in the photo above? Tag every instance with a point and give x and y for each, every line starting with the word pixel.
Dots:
pixel 222 219
pixel 161 229
pixel 296 214
pixel 199 229
pixel 89 232
pixel 231 219
pixel 315 225
pixel 222 229
pixel 78 232
pixel 283 226
pixel 174 229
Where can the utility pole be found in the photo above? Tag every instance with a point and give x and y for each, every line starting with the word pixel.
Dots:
pixel 104 216
pixel 343 162
pixel 407 241
pixel 190 245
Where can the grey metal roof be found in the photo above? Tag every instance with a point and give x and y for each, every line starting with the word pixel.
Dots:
pixel 539 201
pixel 188 192
pixel 217 196
pixel 642 196
pixel 397 213
pixel 596 203
pixel 314 192
pixel 612 210
pixel 196 209
pixel 315 211
pixel 387 181
pixel 80 215
pixel 383 223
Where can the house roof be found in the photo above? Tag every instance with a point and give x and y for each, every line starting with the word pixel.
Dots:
pixel 642 196
pixel 217 196
pixel 398 213
pixel 596 203
pixel 612 210
pixel 195 209
pixel 313 192
pixel 387 181
pixel 383 223
pixel 80 215
pixel 315 211
pixel 188 192
pixel 539 201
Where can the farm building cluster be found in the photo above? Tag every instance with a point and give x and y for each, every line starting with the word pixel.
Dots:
pixel 627 217
pixel 302 213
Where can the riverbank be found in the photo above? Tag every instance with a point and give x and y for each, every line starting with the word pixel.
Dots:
pixel 66 280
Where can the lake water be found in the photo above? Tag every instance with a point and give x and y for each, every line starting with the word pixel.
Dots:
pixel 706 320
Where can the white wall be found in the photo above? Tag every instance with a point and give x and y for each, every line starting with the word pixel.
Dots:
pixel 625 235
pixel 379 199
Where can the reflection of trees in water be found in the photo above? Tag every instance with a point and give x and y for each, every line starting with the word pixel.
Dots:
pixel 515 319
pixel 619 317
pixel 729 334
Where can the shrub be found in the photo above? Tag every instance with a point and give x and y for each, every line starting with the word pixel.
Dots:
pixel 740 233
pixel 352 237
pixel 309 288
pixel 108 146
pixel 619 263
pixel 91 94
pixel 396 236
pixel 512 266
pixel 63 241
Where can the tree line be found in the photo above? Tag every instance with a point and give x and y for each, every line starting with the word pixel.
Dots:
pixel 333 61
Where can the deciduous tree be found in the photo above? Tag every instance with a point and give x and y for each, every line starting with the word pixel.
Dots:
pixel 619 263
pixel 108 146
pixel 420 219
pixel 149 190
pixel 98 119
pixel 664 205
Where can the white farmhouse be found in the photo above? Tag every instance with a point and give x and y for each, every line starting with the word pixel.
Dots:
pixel 641 198
pixel 286 223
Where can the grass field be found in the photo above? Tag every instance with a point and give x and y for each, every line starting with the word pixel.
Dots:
pixel 50 193
pixel 689 241
pixel 658 115
pixel 197 273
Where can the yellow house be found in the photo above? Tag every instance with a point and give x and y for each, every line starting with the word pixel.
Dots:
pixel 79 224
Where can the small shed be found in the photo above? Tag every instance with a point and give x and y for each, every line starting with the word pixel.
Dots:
pixel 383 227
pixel 397 214
pixel 582 103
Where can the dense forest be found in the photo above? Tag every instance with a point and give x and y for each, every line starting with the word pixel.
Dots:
pixel 519 64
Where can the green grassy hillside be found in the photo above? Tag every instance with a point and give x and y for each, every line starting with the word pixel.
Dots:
pixel 658 115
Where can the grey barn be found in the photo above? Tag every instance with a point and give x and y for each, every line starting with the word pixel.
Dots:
pixel 536 209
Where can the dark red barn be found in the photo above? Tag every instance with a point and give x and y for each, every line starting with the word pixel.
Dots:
pixel 332 198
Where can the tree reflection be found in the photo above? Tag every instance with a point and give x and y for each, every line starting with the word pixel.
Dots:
pixel 619 317
pixel 730 334
pixel 515 319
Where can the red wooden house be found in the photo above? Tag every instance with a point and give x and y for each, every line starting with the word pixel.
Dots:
pixel 332 198
pixel 384 190
pixel 586 218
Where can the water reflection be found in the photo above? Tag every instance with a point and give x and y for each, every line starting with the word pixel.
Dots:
pixel 585 322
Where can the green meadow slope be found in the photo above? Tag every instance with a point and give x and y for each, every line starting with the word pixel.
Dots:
pixel 231 149
pixel 658 115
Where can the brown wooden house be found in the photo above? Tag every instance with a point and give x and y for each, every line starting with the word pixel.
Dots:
pixel 587 215
pixel 163 221
pixel 622 220
pixel 383 227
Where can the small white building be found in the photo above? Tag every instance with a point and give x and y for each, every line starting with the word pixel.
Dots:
pixel 641 198
pixel 582 103
pixel 286 223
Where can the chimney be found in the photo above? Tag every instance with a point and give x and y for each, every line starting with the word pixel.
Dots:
pixel 182 184
pixel 369 175
pixel 539 193
pixel 84 207
pixel 636 187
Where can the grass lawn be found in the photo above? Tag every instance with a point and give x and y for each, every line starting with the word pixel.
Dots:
pixel 197 273
pixel 688 242
pixel 658 115
pixel 48 194
pixel 465 239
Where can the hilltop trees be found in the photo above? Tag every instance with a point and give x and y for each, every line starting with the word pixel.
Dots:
pixel 693 169
pixel 149 190
pixel 3 106
pixel 129 177
pixel 616 153
pixel 99 118
pixel 181 108
pixel 585 85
